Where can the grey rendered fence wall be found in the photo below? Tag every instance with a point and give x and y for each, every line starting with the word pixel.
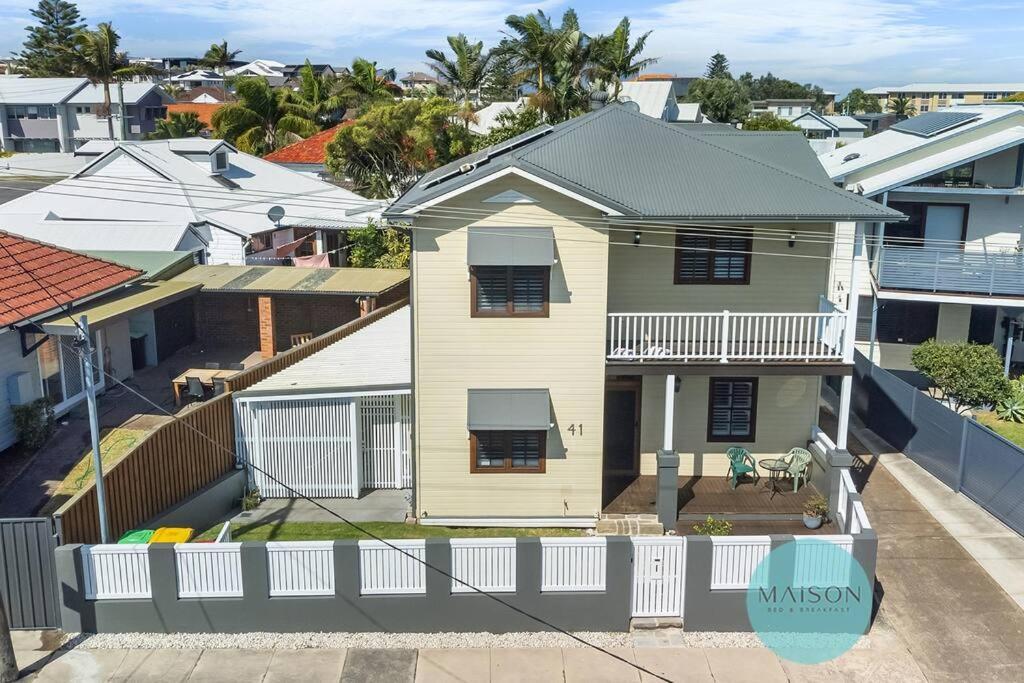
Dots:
pixel 28 584
pixel 964 455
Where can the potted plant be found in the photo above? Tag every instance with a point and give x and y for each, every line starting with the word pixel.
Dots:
pixel 815 512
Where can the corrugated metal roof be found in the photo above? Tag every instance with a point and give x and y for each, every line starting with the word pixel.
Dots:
pixel 133 92
pixel 135 298
pixel 934 122
pixel 288 279
pixel 640 166
pixel 156 265
pixel 39 90
pixel 376 357
pixel 651 96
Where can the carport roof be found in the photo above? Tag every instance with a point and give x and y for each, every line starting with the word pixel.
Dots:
pixel 136 298
pixel 292 280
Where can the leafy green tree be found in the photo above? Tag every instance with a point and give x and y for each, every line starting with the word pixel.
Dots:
pixel 533 44
pixel 95 56
pixel 365 84
pixel 768 121
pixel 510 124
pixel 466 71
pixel 392 143
pixel 262 119
pixel 378 247
pixel 722 99
pixel 175 92
pixel 966 374
pixel 43 54
pixel 718 67
pixel 859 102
pixel 501 84
pixel 178 125
pixel 1016 97
pixel 617 58
pixel 219 57
pixel 901 105
pixel 319 96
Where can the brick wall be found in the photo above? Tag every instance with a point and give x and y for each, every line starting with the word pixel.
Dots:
pixel 268 313
pixel 227 320
pixel 316 313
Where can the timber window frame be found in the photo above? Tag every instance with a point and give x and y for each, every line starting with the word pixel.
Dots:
pixel 516 277
pixel 713 254
pixel 503 443
pixel 734 435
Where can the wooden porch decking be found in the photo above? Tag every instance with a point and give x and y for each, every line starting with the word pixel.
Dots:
pixel 711 496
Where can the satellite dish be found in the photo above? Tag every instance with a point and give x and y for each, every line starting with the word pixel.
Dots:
pixel 275 214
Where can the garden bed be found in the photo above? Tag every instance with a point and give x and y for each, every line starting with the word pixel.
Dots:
pixel 329 531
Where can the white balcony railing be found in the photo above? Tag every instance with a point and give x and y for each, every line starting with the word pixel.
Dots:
pixel 727 336
pixel 937 270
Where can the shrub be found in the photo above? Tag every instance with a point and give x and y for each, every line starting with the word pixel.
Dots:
pixel 251 500
pixel 713 527
pixel 966 374
pixel 34 422
pixel 1011 408
pixel 816 506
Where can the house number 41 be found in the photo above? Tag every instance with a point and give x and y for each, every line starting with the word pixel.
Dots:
pixel 574 428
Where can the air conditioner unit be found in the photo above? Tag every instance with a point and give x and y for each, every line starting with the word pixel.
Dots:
pixel 21 389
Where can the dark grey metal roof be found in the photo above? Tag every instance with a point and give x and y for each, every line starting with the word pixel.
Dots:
pixel 642 167
pixel 509 409
pixel 934 122
pixel 503 246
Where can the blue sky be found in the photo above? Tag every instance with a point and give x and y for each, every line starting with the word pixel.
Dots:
pixel 837 43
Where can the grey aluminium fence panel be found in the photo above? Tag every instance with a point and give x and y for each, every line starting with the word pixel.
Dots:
pixel 28 579
pixel 994 475
pixel 935 443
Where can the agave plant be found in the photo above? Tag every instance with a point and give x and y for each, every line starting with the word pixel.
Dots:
pixel 1011 408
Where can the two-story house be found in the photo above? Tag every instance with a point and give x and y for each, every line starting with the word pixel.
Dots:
pixel 955 269
pixel 594 299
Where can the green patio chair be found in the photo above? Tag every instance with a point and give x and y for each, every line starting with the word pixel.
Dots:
pixel 740 463
pixel 799 460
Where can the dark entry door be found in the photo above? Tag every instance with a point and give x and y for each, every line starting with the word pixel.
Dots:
pixel 28 578
pixel 622 428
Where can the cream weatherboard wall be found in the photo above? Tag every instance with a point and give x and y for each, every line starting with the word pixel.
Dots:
pixel 787 408
pixel 564 353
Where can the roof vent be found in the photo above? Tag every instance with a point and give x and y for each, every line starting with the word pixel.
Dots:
pixel 598 99
pixel 851 157
pixel 466 168
pixel 219 161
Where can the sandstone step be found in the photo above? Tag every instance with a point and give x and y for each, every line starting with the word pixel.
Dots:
pixel 629 527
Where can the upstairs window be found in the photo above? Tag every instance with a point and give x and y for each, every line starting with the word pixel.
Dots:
pixel 507 451
pixel 732 409
pixel 510 291
pixel 718 260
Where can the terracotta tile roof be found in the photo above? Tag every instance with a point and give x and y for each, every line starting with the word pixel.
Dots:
pixel 312 150
pixel 205 111
pixel 55 277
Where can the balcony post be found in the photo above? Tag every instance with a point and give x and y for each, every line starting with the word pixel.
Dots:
pixel 667 495
pixel 850 328
pixel 725 338
pixel 845 394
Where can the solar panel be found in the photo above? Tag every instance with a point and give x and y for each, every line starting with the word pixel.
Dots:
pixel 934 122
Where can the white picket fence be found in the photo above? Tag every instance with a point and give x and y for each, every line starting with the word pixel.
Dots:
pixel 209 570
pixel 300 568
pixel 386 570
pixel 734 559
pixel 488 564
pixel 573 564
pixel 116 572
pixel 659 575
pixel 816 565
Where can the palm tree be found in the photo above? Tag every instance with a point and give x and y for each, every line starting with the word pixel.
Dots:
pixel 319 95
pixel 533 44
pixel 94 55
pixel 178 125
pixel 219 57
pixel 174 91
pixel 902 105
pixel 262 119
pixel 468 68
pixel 366 83
pixel 617 60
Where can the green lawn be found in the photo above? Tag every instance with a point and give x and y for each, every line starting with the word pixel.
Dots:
pixel 329 531
pixel 1013 431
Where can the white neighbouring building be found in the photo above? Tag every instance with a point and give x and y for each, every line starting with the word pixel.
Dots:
pixel 189 194
pixel 955 269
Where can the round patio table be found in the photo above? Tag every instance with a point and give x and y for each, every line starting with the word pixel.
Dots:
pixel 775 467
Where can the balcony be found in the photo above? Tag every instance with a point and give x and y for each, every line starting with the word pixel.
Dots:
pixel 727 337
pixel 951 271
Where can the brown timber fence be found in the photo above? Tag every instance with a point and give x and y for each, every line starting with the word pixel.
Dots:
pixel 181 457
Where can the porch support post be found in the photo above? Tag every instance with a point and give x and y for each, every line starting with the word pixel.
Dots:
pixel 850 337
pixel 668 464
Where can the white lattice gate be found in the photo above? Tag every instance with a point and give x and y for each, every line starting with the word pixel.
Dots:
pixel 659 574
pixel 385 448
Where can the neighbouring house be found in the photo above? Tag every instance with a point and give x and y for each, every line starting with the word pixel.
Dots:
pixel 954 270
pixel 876 123
pixel 197 78
pixel 579 326
pixel 417 80
pixel 680 83
pixel 131 321
pixel 273 71
pixel 307 156
pixel 926 97
pixel 782 108
pixel 822 126
pixel 271 307
pixel 293 72
pixel 60 114
pixel 206 94
pixel 189 194
pixel 204 111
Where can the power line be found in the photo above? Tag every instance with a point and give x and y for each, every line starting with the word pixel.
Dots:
pixel 540 620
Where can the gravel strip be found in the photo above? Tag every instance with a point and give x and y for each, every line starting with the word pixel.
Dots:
pixel 295 641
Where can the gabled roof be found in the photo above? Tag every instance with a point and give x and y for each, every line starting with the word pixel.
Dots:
pixel 198 75
pixel 133 92
pixel 633 165
pixel 653 97
pixel 55 277
pixel 218 93
pixel 312 150
pixel 39 90
pixel 834 122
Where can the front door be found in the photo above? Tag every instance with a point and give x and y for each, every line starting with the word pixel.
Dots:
pixel 622 427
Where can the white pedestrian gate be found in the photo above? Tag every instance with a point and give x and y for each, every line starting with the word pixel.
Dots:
pixel 659 573
pixel 326 446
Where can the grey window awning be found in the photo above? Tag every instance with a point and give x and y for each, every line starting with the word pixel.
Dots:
pixel 509 409
pixel 500 246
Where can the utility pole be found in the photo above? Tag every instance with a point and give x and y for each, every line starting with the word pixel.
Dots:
pixel 8 665
pixel 85 346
